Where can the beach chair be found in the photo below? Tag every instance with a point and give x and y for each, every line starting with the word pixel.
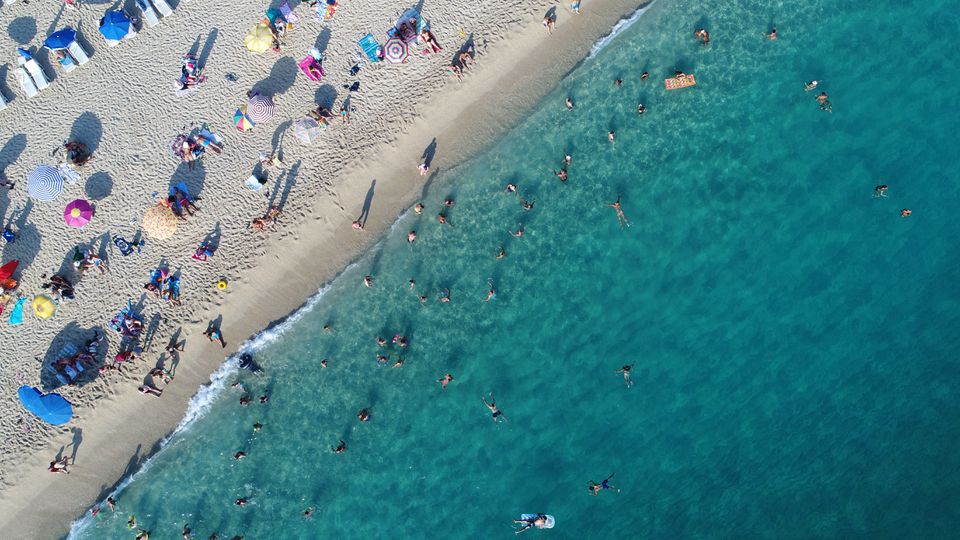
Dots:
pixel 163 7
pixel 35 71
pixel 29 88
pixel 368 44
pixel 149 15
pixel 77 52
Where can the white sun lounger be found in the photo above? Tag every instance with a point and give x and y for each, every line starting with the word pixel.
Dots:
pixel 149 15
pixel 26 82
pixel 36 72
pixel 163 7
pixel 77 52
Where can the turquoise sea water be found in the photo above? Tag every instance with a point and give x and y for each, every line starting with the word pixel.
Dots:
pixel 793 338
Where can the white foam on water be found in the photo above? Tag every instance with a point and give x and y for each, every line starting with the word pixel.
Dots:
pixel 622 26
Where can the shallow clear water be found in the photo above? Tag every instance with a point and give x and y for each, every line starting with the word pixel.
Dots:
pixel 793 338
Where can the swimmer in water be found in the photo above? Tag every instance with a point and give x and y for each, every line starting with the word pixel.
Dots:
pixel 111 503
pixel 381 341
pixel 257 427
pixel 569 104
pixel 501 253
pixel 418 209
pixel 327 328
pixel 412 283
pixel 308 513
pixel 340 448
pixel 618 83
pixel 363 415
pixel 411 236
pixel 367 281
pixel 906 212
pixel 240 502
pixel 442 219
pixel 357 225
pixel 131 522
pixel 880 191
pixel 444 296
pixel 494 411
pixel 527 205
pixel 381 359
pixel 423 299
pixel 448 202
pixel 561 174
pixel 511 188
pixel 239 455
pixel 621 218
pixel 398 363
pixel 596 488
pixel 244 400
pixel 772 34
pixel 702 35
pixel 444 381
pixel 610 136
pixel 264 399
pixel 142 535
pixel 186 532
pixel 567 158
pixel 808 86
pixel 519 232
pixel 323 363
pixel 641 108
pixel 644 76
pixel 626 375
pixel 492 293
pixel 824 102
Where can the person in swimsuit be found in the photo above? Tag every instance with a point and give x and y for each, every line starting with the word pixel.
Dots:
pixel 494 411
pixel 444 296
pixel 561 174
pixel 597 488
pixel 569 103
pixel 257 427
pixel 880 191
pixel 567 158
pixel 610 136
pixel 527 205
pixel 411 236
pixel 363 415
pixel 501 253
pixel 111 503
pixel 808 86
pixel 618 83
pixel 240 502
pixel 626 375
pixel 824 102
pixel 442 219
pixel 519 232
pixel 621 218
pixel 641 108
pixel 368 281
pixel 772 34
pixel 340 448
pixel 492 293
pixel 539 522
pixel 644 76
pixel 511 188
pixel 702 35
pixel 418 209
pixel 308 513
pixel 906 212
pixel 186 531
pixel 444 381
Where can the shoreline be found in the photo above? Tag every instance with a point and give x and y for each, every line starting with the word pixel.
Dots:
pixel 512 74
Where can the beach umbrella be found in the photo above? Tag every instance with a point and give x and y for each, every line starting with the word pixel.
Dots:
pixel 61 39
pixel 259 108
pixel 115 25
pixel 259 39
pixel 45 183
pixel 78 213
pixel 395 51
pixel 44 306
pixel 241 121
pixel 51 408
pixel 159 222
pixel 307 130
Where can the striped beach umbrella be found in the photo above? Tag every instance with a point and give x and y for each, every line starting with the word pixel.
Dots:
pixel 260 108
pixel 45 183
pixel 307 130
pixel 395 51
pixel 78 213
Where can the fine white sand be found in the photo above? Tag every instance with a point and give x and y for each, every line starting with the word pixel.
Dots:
pixel 122 105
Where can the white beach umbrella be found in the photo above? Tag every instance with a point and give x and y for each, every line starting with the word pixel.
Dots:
pixel 45 183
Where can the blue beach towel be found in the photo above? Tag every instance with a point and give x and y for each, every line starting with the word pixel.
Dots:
pixel 16 314
pixel 370 47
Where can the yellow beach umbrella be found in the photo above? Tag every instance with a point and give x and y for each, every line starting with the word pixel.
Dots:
pixel 44 306
pixel 159 222
pixel 259 39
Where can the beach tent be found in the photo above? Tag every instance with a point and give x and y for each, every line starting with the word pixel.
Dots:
pixel 51 408
pixel 159 222
pixel 307 130
pixel 259 39
pixel 114 26
pixel 45 183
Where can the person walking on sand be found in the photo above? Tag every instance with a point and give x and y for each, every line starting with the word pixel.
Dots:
pixel 213 334
pixel 494 411
pixel 626 375
pixel 548 22
pixel 621 218
pixel 444 381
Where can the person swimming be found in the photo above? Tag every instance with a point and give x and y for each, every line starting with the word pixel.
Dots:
pixel 496 413
pixel 444 381
pixel 239 455
pixel 501 253
pixel 340 448
pixel 519 232
pixel 368 281
pixel 539 521
pixel 569 103
pixel 621 218
pixel 641 108
pixel 880 191
pixel 561 174
pixel 626 375
pixel 511 188
pixel 363 415
pixel 772 34
pixel 596 488
pixel 527 205
pixel 610 136
pixel 810 85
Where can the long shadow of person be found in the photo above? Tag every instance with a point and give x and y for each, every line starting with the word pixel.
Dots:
pixel 367 203
pixel 75 443
pixel 431 150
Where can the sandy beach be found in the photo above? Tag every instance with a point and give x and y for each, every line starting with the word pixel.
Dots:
pixel 122 105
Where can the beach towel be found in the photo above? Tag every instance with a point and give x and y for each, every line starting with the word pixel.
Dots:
pixel 60 378
pixel 368 44
pixel 288 13
pixel 16 314
pixel 124 247
pixel 327 9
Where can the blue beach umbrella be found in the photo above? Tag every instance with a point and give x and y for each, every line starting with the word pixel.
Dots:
pixel 61 39
pixel 51 408
pixel 115 25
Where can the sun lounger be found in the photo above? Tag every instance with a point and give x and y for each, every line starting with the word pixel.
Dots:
pixel 77 52
pixel 163 7
pixel 149 15
pixel 35 71
pixel 29 88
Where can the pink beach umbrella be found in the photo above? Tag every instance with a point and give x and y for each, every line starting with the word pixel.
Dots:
pixel 78 213
pixel 395 51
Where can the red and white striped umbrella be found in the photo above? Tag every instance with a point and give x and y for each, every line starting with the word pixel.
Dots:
pixel 260 109
pixel 395 51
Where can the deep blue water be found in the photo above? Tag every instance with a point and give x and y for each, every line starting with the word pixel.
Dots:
pixel 793 338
